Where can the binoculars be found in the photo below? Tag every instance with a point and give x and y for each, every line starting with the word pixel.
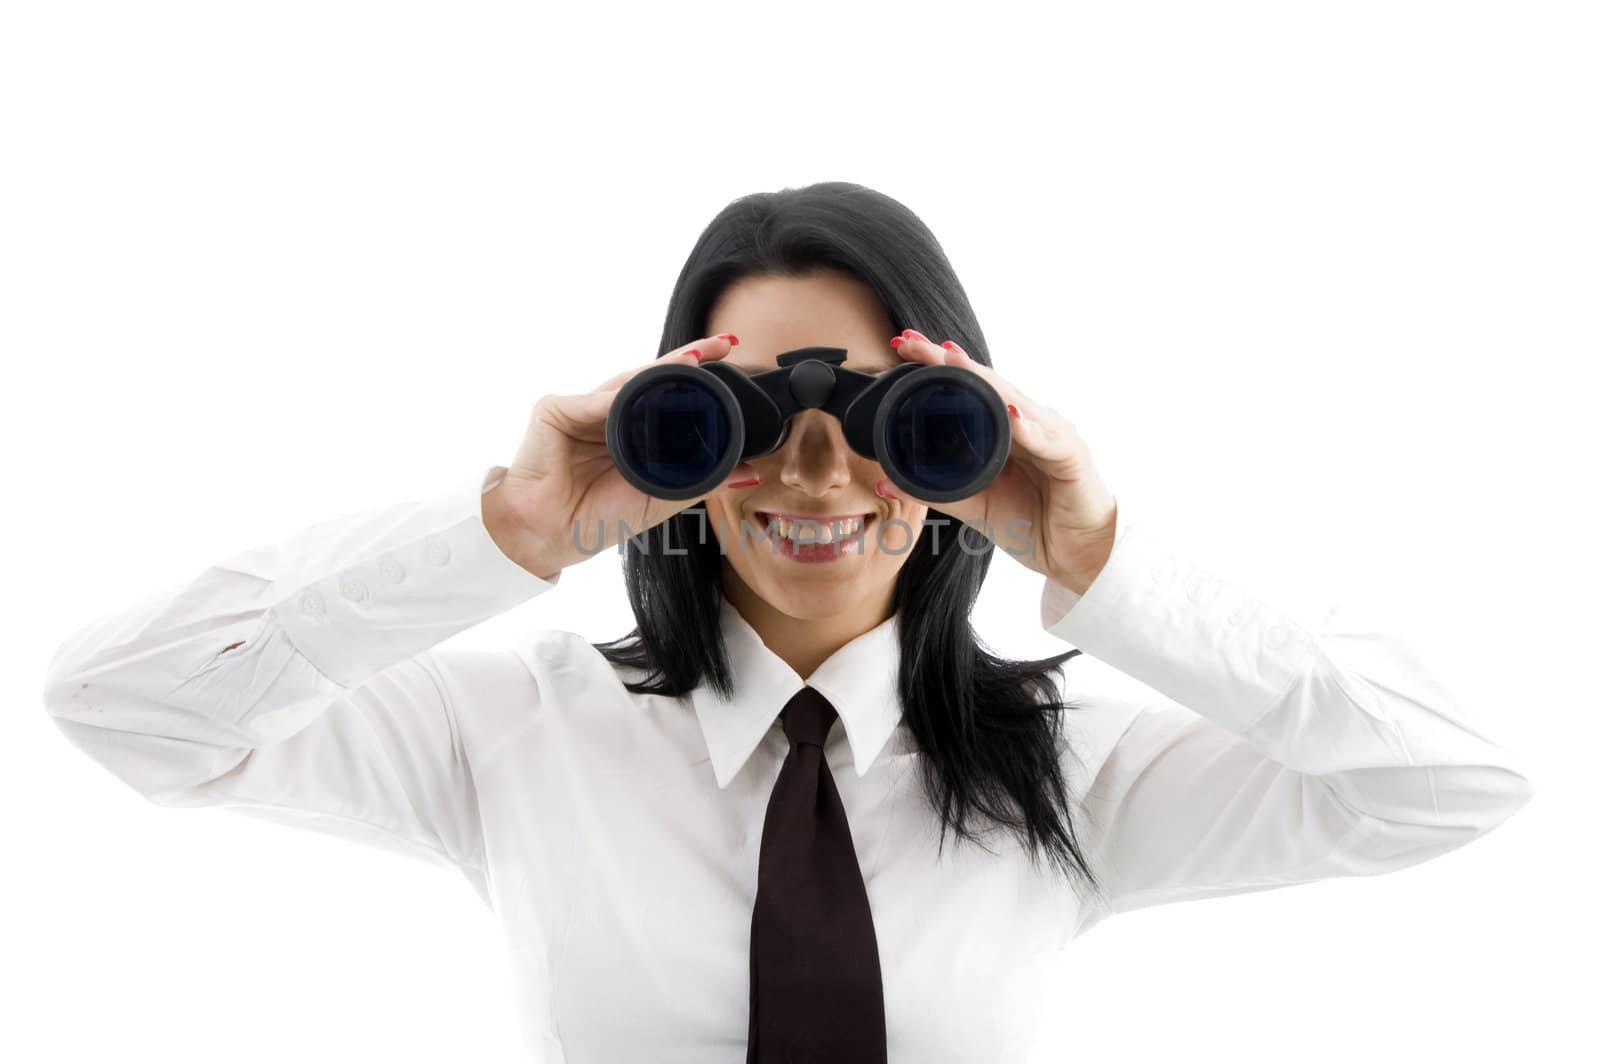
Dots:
pixel 941 433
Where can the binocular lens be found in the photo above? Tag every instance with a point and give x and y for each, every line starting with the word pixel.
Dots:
pixel 942 436
pixel 676 433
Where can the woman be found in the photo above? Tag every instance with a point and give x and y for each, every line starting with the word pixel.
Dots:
pixel 679 883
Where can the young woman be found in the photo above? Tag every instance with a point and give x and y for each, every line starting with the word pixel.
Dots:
pixel 723 837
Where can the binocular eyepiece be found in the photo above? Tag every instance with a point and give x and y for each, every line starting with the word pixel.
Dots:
pixel 941 433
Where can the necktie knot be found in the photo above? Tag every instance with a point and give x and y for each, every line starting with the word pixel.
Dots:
pixel 808 716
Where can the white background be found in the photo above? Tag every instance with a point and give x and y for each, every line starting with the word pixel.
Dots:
pixel 1316 282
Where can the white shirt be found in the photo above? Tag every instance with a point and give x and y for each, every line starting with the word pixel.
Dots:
pixel 617 836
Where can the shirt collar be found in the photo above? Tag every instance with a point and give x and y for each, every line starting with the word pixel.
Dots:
pixel 859 679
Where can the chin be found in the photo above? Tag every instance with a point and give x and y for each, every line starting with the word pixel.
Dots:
pixel 812 599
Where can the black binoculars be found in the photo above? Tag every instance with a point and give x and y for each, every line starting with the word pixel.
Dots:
pixel 941 433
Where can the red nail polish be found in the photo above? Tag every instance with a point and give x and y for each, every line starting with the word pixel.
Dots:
pixel 896 342
pixel 752 482
pixel 698 357
pixel 882 488
pixel 733 341
pixel 948 345
pixel 1014 411
pixel 915 335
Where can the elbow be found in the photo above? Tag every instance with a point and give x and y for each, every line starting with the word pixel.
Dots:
pixel 71 687
pixel 82 701
pixel 66 691
pixel 1432 813
pixel 1466 805
pixel 129 738
pixel 1510 789
pixel 1471 810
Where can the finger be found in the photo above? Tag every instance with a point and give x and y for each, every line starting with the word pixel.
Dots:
pixel 1010 394
pixel 705 349
pixel 715 347
pixel 949 353
pixel 584 416
pixel 581 416
pixel 1053 446
pixel 612 383
pixel 959 356
pixel 914 347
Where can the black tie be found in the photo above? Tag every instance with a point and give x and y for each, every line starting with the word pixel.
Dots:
pixel 816 992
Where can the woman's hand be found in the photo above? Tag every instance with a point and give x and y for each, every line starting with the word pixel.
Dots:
pixel 562 489
pixel 1049 482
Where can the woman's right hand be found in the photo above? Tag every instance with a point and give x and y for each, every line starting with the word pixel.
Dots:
pixel 563 478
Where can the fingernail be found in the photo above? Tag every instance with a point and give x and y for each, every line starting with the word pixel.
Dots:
pixel 882 488
pixel 1014 412
pixel 698 357
pixel 896 342
pixel 913 334
pixel 752 482
pixel 733 341
pixel 950 345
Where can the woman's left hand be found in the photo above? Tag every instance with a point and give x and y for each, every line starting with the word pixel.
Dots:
pixel 1065 517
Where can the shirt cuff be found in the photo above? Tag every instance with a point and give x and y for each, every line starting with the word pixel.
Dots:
pixel 363 592
pixel 1183 629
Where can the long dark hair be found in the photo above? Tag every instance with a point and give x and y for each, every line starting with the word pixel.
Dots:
pixel 988 728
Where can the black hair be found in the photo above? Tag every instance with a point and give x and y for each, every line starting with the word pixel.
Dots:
pixel 988 728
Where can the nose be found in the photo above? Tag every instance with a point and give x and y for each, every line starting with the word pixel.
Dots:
pixel 815 459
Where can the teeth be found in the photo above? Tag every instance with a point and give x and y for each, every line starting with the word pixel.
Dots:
pixel 806 532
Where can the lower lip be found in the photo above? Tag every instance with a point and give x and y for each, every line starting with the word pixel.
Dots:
pixel 818 553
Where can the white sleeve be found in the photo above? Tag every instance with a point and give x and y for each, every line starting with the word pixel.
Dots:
pixel 297 680
pixel 1288 752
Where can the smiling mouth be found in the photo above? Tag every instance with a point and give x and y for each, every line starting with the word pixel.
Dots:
pixel 822 530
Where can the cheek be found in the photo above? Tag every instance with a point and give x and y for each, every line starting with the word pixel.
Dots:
pixel 899 539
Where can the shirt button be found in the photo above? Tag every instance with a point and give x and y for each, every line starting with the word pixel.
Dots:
pixel 311 604
pixel 352 589
pixel 438 551
pixel 392 571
